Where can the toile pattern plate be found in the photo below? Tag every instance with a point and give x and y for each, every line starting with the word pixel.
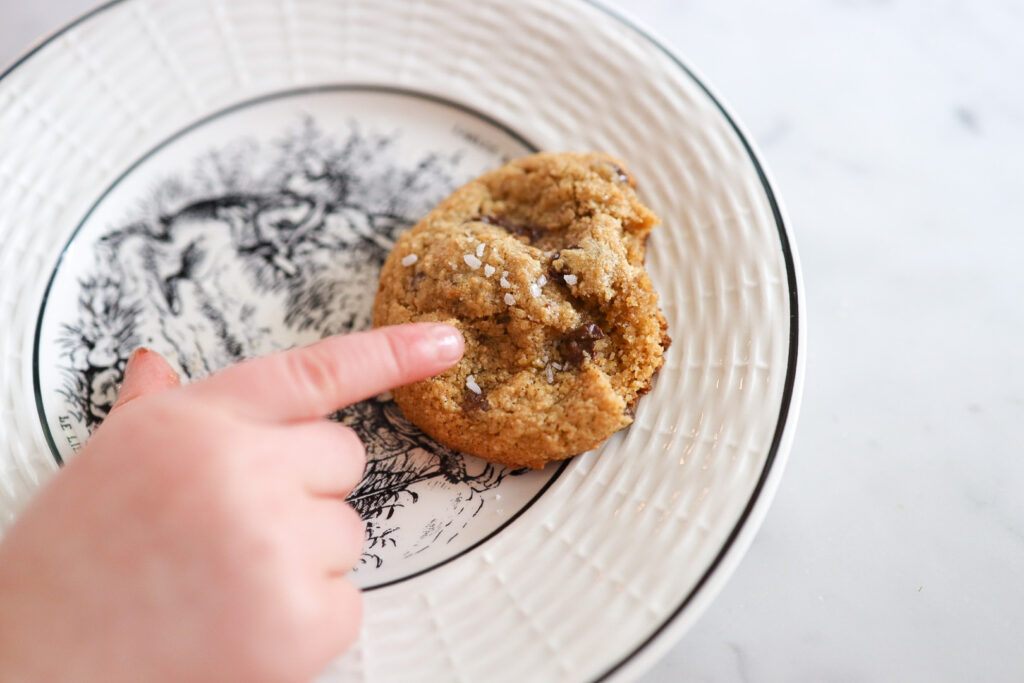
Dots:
pixel 217 180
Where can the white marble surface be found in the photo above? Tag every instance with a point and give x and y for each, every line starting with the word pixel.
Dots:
pixel 895 132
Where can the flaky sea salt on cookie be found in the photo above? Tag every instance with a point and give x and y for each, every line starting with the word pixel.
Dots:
pixel 540 264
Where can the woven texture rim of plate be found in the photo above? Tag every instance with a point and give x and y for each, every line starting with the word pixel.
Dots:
pixel 630 542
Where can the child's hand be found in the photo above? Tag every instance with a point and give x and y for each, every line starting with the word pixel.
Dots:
pixel 202 533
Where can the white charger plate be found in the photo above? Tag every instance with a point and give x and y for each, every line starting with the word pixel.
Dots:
pixel 219 179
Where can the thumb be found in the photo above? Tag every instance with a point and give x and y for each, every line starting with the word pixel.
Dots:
pixel 146 373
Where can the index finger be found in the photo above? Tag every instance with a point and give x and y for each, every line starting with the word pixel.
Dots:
pixel 319 379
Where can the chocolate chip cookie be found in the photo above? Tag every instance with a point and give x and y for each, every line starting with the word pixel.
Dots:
pixel 540 264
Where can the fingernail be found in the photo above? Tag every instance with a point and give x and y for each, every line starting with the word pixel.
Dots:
pixel 448 345
pixel 134 358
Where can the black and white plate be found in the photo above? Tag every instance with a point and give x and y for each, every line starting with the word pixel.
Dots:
pixel 217 180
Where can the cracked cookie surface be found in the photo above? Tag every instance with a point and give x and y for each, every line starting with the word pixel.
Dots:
pixel 539 264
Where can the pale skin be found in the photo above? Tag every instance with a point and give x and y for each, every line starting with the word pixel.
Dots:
pixel 202 533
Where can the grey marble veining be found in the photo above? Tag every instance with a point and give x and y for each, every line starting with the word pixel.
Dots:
pixel 895 133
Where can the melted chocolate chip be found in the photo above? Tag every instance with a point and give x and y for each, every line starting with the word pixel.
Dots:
pixel 578 342
pixel 473 402
pixel 554 274
pixel 621 175
pixel 531 231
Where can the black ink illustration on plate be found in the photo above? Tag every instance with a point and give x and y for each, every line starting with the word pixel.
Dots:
pixel 304 220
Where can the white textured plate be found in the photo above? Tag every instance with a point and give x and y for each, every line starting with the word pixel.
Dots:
pixel 219 179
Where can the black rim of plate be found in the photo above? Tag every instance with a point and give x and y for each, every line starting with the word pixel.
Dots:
pixel 791 281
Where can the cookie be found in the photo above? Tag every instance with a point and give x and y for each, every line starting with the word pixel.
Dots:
pixel 540 264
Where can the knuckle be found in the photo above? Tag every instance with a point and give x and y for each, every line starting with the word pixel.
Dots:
pixel 347 531
pixel 356 537
pixel 356 524
pixel 351 598
pixel 394 355
pixel 348 605
pixel 315 372
pixel 353 450
pixel 351 441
